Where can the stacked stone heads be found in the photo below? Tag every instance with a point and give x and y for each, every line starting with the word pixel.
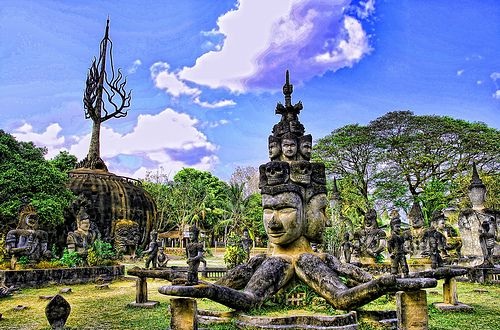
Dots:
pixel 291 172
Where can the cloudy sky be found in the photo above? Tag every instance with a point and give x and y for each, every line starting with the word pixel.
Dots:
pixel 206 75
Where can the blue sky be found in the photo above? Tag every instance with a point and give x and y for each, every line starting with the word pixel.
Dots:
pixel 206 75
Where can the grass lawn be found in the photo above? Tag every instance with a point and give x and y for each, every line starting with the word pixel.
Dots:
pixel 92 308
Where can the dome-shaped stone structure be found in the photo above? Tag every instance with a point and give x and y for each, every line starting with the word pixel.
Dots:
pixel 109 198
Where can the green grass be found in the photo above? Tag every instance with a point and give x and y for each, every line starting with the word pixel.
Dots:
pixel 107 309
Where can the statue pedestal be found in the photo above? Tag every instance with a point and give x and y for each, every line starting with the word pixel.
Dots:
pixel 183 311
pixel 411 308
pixel 450 298
pixel 141 295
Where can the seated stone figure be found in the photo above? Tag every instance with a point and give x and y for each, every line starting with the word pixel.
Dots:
pixel 371 240
pixel 162 258
pixel 27 240
pixel 83 237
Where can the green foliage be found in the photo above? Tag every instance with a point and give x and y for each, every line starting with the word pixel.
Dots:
pixel 235 254
pixel 70 259
pixel 100 253
pixel 25 173
pixel 3 252
pixel 23 261
pixel 64 161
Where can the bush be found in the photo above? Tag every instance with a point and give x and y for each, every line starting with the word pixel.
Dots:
pixel 235 254
pixel 100 254
pixel 70 259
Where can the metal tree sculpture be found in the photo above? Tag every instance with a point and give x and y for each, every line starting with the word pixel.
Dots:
pixel 104 98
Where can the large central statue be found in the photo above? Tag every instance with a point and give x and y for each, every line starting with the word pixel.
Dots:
pixel 294 202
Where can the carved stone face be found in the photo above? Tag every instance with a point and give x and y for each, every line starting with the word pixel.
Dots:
pixel 84 225
pixel 289 148
pixel 305 149
pixel 283 217
pixel 477 196
pixel 31 221
pixel 371 219
pixel 316 217
pixel 396 228
pixel 300 172
pixel 274 150
pixel 277 173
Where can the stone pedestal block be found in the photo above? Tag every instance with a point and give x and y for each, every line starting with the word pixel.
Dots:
pixel 412 310
pixel 141 295
pixel 450 298
pixel 183 311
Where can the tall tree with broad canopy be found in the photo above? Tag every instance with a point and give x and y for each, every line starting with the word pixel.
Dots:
pixel 24 173
pixel 400 158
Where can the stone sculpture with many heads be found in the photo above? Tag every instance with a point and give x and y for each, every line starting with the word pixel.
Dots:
pixel 294 202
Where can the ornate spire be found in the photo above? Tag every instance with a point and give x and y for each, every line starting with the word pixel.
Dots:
pixel 476 181
pixel 288 90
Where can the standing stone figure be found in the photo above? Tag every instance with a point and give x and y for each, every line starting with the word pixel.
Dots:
pixel 152 250
pixel 246 244
pixel 347 247
pixel 487 240
pixel 194 253
pixel 27 240
pixel 434 242
pixel 83 237
pixel 371 239
pixel 396 248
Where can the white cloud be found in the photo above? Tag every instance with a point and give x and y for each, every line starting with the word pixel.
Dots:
pixel 479 82
pixel 157 140
pixel 264 38
pixel 135 65
pixel 460 72
pixel 49 138
pixel 366 8
pixel 496 95
pixel 169 81
pixel 216 123
pixel 495 76
pixel 218 104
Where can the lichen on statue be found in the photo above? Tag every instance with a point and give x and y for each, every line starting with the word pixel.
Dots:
pixel 294 203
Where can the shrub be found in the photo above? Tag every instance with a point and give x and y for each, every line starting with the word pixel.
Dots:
pixel 70 259
pixel 100 254
pixel 235 254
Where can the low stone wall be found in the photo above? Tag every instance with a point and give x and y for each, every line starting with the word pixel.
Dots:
pixel 41 277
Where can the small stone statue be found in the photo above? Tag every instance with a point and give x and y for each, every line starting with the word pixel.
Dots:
pixel 396 248
pixel 487 240
pixel 27 240
pixel 371 239
pixel 57 312
pixel 246 244
pixel 194 253
pixel 152 250
pixel 434 242
pixel 162 258
pixel 83 237
pixel 347 247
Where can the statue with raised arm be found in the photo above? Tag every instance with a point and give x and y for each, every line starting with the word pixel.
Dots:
pixel 294 215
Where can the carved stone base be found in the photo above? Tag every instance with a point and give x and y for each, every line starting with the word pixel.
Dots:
pixel 458 307
pixel 412 310
pixel 147 304
pixel 183 311
pixel 337 322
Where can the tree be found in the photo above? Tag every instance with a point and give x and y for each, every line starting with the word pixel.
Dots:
pixel 24 173
pixel 248 175
pixel 64 161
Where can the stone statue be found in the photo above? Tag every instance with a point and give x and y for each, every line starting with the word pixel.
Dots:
pixel 470 222
pixel 246 243
pixel 162 258
pixel 83 237
pixel 274 148
pixel 347 247
pixel 453 243
pixel 434 243
pixel 417 230
pixel 487 240
pixel 291 220
pixel 305 147
pixel 194 253
pixel 126 237
pixel 371 240
pixel 396 248
pixel 152 250
pixel 27 240
pixel 288 147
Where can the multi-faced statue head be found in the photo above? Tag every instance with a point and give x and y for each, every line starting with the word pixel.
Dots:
pixel 305 146
pixel 316 218
pixel 274 173
pixel 289 147
pixel 274 144
pixel 284 219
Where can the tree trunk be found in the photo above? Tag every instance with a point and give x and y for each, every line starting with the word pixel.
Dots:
pixel 94 148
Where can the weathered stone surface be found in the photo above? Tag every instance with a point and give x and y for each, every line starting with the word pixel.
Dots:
pixel 338 322
pixel 458 307
pixel 411 308
pixel 42 277
pixel 57 312
pixel 65 290
pixel 183 311
pixel 102 286
pixel 20 307
pixel 46 297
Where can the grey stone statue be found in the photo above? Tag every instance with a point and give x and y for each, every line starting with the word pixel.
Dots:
pixel 83 237
pixel 162 258
pixel 246 243
pixel 194 253
pixel 371 240
pixel 292 221
pixel 396 248
pixel 434 242
pixel 27 240
pixel 152 250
